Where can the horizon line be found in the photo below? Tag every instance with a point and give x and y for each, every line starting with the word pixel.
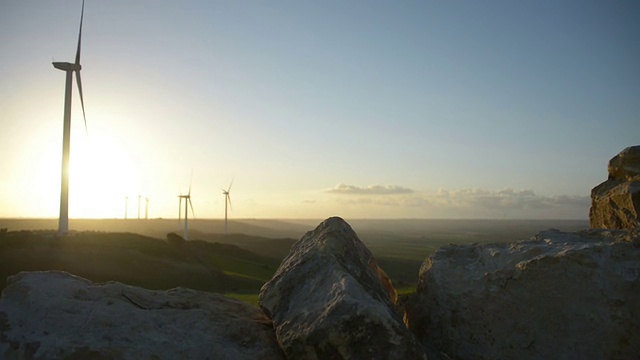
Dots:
pixel 298 219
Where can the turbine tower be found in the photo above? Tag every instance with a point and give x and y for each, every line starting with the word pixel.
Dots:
pixel 187 204
pixel 227 202
pixel 69 69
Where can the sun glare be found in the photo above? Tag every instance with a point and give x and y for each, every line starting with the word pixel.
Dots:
pixel 101 175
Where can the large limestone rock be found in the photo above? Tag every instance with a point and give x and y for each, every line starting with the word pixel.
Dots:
pixel 55 315
pixel 556 296
pixel 330 300
pixel 615 203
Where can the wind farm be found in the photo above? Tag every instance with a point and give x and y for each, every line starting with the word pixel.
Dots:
pixel 63 221
pixel 376 140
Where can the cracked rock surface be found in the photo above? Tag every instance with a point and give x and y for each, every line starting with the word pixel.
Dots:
pixel 556 296
pixel 330 300
pixel 56 315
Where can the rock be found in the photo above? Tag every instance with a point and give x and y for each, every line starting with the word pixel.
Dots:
pixel 556 296
pixel 53 315
pixel 625 165
pixel 330 300
pixel 615 203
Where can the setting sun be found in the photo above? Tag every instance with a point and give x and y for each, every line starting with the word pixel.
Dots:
pixel 101 175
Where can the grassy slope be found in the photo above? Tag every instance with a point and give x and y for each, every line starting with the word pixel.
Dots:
pixel 235 270
pixel 137 260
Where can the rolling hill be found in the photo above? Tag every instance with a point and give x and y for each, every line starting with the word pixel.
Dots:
pixel 137 260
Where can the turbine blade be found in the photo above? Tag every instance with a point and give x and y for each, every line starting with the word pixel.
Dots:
pixel 80 35
pixel 229 188
pixel 229 198
pixel 179 208
pixel 84 116
pixel 192 212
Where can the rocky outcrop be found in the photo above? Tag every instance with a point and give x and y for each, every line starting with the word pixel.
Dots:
pixel 556 296
pixel 615 203
pixel 54 315
pixel 330 300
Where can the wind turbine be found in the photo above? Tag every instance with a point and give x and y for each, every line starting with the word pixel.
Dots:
pixel 227 202
pixel 187 204
pixel 69 68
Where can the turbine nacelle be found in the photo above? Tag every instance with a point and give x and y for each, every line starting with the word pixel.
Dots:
pixel 66 66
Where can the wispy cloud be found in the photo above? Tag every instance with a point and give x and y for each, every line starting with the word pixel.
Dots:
pixel 369 190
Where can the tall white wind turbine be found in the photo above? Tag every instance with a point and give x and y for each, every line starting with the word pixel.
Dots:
pixel 227 203
pixel 187 204
pixel 69 69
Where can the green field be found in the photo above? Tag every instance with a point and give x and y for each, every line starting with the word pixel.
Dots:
pixel 137 260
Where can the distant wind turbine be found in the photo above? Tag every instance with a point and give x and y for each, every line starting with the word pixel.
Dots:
pixel 146 208
pixel 139 197
pixel 69 68
pixel 227 202
pixel 126 206
pixel 187 204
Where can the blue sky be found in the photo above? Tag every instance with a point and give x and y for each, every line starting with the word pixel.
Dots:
pixel 425 109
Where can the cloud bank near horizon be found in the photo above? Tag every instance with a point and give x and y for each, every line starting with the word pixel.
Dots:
pixel 504 199
pixel 369 190
pixel 468 202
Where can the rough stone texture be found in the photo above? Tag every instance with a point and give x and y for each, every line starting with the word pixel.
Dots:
pixel 330 300
pixel 56 315
pixel 615 203
pixel 556 296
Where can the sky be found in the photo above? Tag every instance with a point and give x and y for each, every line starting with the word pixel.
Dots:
pixel 361 109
